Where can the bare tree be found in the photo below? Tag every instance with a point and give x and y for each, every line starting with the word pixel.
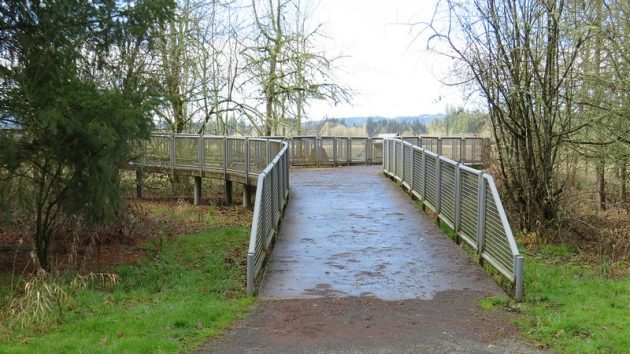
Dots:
pixel 522 56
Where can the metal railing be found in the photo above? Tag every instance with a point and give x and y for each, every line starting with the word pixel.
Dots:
pixel 464 198
pixel 463 149
pixel 338 151
pixel 335 151
pixel 246 157
pixel 267 160
pixel 272 194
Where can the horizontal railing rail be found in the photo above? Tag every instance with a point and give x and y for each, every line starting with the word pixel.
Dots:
pixel 464 198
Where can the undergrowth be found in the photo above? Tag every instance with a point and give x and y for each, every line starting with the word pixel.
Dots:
pixel 187 290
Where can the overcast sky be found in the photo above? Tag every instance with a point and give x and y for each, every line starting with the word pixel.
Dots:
pixel 390 73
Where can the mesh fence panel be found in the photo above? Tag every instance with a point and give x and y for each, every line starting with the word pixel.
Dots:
pixel 327 155
pixel 496 244
pixel 399 158
pixel 447 191
pixel 377 151
pixel 430 187
pixel 187 151
pixel 417 172
pixel 214 153
pixel 469 208
pixel 235 157
pixel 408 164
pixel 158 151
pixel 358 149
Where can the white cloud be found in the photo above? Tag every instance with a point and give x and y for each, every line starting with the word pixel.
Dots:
pixel 389 72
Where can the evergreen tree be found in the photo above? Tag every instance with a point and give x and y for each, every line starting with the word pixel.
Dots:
pixel 73 127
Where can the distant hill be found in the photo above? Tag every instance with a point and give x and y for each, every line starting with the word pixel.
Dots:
pixel 422 118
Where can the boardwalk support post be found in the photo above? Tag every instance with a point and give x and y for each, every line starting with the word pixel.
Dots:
pixel 139 177
pixel 197 199
pixel 228 192
pixel 247 196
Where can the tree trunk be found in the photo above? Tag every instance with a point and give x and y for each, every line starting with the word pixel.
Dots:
pixel 601 184
pixel 624 180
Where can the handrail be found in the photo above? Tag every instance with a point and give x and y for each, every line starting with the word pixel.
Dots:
pixel 464 198
pixel 272 194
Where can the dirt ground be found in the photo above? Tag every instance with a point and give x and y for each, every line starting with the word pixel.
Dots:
pixel 102 249
pixel 450 322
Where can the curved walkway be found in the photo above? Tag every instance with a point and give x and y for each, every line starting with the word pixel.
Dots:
pixel 358 268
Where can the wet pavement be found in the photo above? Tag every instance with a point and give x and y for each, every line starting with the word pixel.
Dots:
pixel 351 232
pixel 358 268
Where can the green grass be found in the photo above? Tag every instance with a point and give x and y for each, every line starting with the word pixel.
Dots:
pixel 572 307
pixel 189 290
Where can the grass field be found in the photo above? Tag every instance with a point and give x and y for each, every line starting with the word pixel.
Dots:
pixel 572 306
pixel 186 291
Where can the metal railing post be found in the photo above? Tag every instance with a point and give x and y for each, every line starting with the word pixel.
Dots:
pixel 251 261
pixel 481 213
pixel 439 146
pixel 518 277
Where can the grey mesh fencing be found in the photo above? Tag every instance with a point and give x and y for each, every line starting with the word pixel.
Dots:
pixel 464 198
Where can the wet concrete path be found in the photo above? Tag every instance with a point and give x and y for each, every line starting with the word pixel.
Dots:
pixel 357 268
pixel 351 232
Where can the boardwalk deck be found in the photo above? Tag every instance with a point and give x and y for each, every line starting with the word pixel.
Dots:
pixel 350 232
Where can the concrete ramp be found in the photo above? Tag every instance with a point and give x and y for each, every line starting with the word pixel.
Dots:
pixel 352 232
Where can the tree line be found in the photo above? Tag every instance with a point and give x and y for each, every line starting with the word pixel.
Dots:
pixel 82 81
pixel 554 75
